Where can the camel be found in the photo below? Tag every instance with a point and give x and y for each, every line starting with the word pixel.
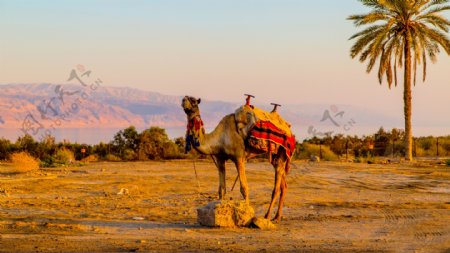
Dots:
pixel 227 142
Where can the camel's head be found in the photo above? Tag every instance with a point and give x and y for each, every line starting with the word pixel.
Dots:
pixel 190 105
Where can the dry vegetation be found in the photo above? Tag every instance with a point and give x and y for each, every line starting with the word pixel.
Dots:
pixel 151 206
pixel 21 162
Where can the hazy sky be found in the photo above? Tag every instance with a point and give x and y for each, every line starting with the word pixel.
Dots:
pixel 286 51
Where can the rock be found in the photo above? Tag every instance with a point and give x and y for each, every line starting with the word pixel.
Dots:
pixel 123 191
pixel 225 214
pixel 314 158
pixel 262 223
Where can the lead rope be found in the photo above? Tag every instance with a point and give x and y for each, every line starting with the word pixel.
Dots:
pixel 235 181
pixel 237 177
pixel 196 175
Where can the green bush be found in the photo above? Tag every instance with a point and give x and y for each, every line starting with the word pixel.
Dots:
pixel 154 144
pixel 129 155
pixel 48 162
pixel 112 158
pixel 447 162
pixel 64 156
pixel 306 150
pixel 172 151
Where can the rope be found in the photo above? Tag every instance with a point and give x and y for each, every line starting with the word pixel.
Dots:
pixel 196 175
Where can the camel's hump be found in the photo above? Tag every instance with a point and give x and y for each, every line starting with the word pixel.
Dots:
pixel 248 116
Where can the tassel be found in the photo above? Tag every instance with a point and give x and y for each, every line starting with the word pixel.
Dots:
pixel 188 146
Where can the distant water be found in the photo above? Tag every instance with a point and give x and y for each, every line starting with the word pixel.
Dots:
pixel 95 135
pixel 84 135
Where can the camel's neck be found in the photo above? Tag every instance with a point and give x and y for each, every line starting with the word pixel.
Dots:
pixel 197 138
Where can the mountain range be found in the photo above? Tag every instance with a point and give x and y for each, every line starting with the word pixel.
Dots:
pixel 58 108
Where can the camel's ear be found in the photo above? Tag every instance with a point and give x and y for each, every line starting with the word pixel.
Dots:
pixel 199 100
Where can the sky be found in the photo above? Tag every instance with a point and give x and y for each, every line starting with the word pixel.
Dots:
pixel 285 51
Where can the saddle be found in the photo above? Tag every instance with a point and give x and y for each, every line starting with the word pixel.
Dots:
pixel 264 131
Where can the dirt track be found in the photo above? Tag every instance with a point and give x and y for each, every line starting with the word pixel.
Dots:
pixel 330 207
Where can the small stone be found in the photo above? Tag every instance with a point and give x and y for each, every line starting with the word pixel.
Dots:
pixel 314 158
pixel 262 223
pixel 123 191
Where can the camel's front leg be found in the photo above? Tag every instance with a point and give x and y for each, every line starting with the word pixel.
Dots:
pixel 222 179
pixel 240 165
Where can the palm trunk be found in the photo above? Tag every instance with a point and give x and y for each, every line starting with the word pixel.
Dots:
pixel 407 97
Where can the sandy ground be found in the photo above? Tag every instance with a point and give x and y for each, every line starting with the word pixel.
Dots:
pixel 330 207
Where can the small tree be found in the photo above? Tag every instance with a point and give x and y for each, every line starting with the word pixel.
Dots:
pixel 131 137
pixel 5 149
pixel 28 144
pixel 127 139
pixel 154 144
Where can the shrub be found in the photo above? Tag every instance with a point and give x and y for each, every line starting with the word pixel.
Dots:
pixel 23 162
pixel 447 162
pixel 172 151
pixel 48 162
pixel 91 158
pixel 307 150
pixel 129 155
pixel 112 158
pixel 5 149
pixel 64 156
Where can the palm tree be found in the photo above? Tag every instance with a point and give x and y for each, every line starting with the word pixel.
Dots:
pixel 401 33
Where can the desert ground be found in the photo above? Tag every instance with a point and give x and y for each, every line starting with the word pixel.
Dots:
pixel 151 207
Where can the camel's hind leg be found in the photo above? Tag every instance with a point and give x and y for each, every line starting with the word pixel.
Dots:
pixel 279 173
pixel 279 163
pixel 283 188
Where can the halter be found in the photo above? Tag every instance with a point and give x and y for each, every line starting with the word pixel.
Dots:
pixel 193 130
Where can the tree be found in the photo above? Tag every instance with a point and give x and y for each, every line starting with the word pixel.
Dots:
pixel 101 149
pixel 152 142
pixel 127 139
pixel 46 148
pixel 28 144
pixel 131 137
pixel 401 33
pixel 382 139
pixel 5 148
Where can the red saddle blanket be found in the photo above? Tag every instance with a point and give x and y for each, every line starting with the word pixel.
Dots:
pixel 267 137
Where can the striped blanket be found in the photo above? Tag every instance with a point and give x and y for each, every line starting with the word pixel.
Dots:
pixel 265 131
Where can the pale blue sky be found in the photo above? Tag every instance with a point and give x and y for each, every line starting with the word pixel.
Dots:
pixel 280 50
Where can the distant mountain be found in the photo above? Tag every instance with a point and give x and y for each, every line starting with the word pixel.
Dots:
pixel 54 107
pixel 106 107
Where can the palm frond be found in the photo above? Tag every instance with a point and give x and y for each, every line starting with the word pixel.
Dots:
pixel 391 24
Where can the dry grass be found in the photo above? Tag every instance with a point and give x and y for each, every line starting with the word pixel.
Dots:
pixel 91 158
pixel 23 162
pixel 152 207
pixel 64 156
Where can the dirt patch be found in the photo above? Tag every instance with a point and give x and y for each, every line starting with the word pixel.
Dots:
pixel 122 207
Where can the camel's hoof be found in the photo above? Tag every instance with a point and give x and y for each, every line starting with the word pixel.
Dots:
pixel 276 219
